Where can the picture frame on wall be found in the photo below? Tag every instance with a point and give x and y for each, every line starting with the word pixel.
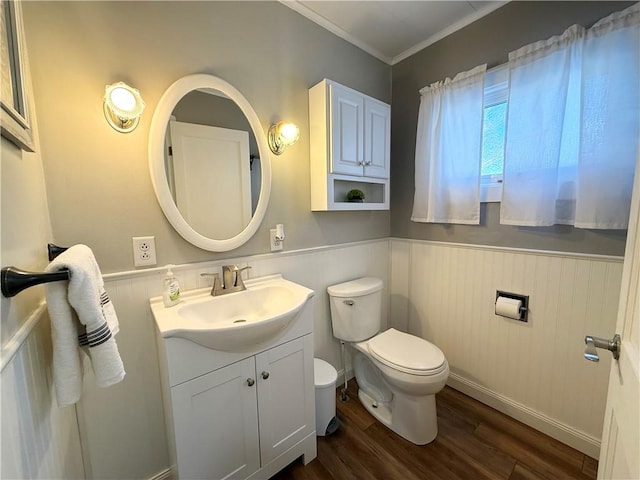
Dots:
pixel 15 121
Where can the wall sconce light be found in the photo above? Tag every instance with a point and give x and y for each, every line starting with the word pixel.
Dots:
pixel 281 135
pixel 122 106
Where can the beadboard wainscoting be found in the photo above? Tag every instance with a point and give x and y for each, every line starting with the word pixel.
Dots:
pixel 39 440
pixel 533 371
pixel 122 427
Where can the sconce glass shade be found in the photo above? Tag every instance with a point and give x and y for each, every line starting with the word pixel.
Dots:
pixel 122 106
pixel 282 135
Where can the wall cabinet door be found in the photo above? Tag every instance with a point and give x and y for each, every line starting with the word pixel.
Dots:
pixel 216 424
pixel 347 131
pixel 377 138
pixel 286 403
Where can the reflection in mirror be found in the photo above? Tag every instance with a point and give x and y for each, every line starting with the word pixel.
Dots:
pixel 212 160
pixel 194 185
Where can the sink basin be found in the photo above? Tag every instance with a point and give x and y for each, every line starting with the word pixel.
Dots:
pixel 234 321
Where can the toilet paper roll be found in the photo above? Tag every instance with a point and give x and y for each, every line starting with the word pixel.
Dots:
pixel 508 307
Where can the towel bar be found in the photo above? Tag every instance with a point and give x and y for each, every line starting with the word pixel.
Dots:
pixel 54 250
pixel 13 280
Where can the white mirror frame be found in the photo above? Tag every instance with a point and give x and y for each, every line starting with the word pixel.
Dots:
pixel 157 132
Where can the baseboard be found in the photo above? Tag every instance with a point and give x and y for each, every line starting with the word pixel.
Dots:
pixel 163 475
pixel 547 425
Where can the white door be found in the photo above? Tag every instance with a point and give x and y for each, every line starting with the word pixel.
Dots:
pixel 377 138
pixel 216 424
pixel 347 131
pixel 286 396
pixel 620 450
pixel 211 170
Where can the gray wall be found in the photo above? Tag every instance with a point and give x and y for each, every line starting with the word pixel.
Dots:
pixel 489 40
pixel 98 182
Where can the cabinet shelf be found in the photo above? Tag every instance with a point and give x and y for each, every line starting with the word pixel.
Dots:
pixel 376 193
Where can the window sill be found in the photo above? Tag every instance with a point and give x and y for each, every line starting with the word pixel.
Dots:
pixel 490 192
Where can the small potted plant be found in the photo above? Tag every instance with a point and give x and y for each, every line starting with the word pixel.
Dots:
pixel 355 195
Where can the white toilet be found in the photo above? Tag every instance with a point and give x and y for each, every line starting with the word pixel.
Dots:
pixel 398 374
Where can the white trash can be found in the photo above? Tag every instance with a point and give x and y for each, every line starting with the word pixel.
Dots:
pixel 325 377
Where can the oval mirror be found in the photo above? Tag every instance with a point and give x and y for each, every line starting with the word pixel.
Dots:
pixel 209 163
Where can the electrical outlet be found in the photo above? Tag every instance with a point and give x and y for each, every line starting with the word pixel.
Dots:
pixel 275 243
pixel 144 251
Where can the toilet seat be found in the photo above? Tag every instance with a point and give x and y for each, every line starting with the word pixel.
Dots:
pixel 407 353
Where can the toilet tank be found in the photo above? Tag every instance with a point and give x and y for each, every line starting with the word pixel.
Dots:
pixel 356 309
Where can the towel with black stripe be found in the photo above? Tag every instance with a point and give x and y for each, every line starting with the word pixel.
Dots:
pixel 82 315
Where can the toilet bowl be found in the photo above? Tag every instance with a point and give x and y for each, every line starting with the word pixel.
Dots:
pixel 398 374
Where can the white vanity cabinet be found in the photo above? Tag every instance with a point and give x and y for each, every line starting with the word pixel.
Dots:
pixel 350 148
pixel 240 415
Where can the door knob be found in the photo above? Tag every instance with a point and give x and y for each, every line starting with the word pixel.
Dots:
pixel 613 345
pixel 265 375
pixel 250 382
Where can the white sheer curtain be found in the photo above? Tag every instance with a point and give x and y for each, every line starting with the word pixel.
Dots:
pixel 448 150
pixel 573 127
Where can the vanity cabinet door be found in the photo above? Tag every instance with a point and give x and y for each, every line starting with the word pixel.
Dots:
pixel 347 131
pixel 286 396
pixel 216 424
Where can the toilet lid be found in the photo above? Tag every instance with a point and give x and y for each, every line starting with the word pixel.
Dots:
pixel 407 353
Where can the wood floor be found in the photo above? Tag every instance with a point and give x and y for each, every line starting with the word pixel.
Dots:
pixel 474 442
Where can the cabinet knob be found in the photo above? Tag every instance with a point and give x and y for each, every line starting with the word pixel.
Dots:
pixel 265 375
pixel 250 382
pixel 368 164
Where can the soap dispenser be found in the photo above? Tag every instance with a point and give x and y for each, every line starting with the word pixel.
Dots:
pixel 171 289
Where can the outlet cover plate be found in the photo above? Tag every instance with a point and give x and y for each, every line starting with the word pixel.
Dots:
pixel 144 251
pixel 274 242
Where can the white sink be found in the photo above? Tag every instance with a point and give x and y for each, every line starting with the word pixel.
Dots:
pixel 234 321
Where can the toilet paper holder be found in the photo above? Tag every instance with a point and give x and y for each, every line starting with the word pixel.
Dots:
pixel 524 309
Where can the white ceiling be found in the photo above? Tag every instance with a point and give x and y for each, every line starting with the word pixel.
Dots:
pixel 392 30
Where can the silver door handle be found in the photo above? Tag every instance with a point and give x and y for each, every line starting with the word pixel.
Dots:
pixel 592 343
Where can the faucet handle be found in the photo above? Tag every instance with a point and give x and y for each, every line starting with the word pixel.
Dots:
pixel 207 274
pixel 216 279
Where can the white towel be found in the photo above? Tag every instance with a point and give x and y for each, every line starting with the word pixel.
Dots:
pixel 81 315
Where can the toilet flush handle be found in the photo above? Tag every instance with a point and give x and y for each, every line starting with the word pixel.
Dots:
pixel 349 302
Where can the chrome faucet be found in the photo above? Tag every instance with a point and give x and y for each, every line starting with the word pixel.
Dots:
pixel 231 280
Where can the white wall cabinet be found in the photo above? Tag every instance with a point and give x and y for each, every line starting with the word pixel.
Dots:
pixel 240 415
pixel 350 148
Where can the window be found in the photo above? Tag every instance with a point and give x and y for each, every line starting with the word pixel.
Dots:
pixel 493 133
